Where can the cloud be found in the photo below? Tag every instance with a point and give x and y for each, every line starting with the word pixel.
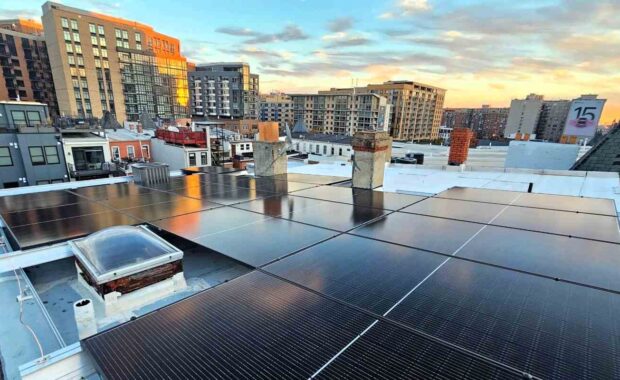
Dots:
pixel 406 8
pixel 349 41
pixel 235 31
pixel 289 33
pixel 19 13
pixel 340 24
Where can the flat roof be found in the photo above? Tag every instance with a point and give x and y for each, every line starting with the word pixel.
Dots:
pixel 440 273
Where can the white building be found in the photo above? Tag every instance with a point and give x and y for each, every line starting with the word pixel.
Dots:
pixel 323 145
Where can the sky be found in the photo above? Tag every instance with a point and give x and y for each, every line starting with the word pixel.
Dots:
pixel 482 51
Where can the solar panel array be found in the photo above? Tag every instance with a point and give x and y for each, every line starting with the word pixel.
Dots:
pixel 350 283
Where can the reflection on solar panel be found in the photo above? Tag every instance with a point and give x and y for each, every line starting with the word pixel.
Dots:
pixel 261 327
pixel 358 284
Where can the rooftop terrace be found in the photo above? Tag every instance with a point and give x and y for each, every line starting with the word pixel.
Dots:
pixel 300 276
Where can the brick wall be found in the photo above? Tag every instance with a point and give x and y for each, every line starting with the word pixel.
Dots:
pixel 459 145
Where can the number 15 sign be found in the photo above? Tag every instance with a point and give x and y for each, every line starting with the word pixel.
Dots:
pixel 583 117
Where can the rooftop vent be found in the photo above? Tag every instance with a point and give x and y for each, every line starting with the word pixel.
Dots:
pixel 151 173
pixel 128 263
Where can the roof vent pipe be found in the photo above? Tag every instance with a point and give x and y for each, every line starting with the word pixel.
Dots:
pixel 85 318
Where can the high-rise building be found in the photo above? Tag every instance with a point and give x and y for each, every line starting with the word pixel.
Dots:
pixel 102 63
pixel 226 90
pixel 552 119
pixel 486 122
pixel 277 107
pixel 416 108
pixel 25 68
pixel 523 117
pixel 341 111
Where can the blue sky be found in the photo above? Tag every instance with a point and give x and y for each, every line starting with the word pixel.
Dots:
pixel 482 52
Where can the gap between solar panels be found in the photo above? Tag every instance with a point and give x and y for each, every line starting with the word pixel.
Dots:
pixel 384 318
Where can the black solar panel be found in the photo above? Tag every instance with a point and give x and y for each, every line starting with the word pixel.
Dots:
pixel 548 328
pixel 418 231
pixel 259 243
pixel 253 327
pixel 111 191
pixel 40 215
pixel 546 201
pixel 179 206
pixel 360 197
pixel 456 209
pixel 598 227
pixel 69 228
pixel 197 224
pixel 282 205
pixel 310 178
pixel 367 273
pixel 583 261
pixel 480 195
pixel 31 201
pixel 389 352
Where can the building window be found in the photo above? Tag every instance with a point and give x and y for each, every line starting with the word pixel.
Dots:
pixel 36 155
pixel 92 28
pixel 67 35
pixel 5 156
pixel 34 119
pixel 51 155
pixel 116 153
pixel 131 152
pixel 94 40
pixel 19 118
pixel 192 159
pixel 76 37
pixel 138 37
pixel 71 60
pixel 69 48
pixel 74 25
pixel 203 158
pixel 100 30
pixel 145 151
pixel 64 22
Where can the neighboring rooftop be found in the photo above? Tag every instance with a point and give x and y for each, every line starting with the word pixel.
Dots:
pixel 300 276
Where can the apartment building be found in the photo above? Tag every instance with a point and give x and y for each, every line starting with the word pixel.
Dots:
pixel 523 117
pixel 30 151
pixel 486 122
pixel 25 71
pixel 224 90
pixel 277 107
pixel 105 64
pixel 416 108
pixel 341 111
pixel 552 120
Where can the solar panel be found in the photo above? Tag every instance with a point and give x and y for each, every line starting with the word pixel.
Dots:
pixel 547 328
pixel 191 226
pixel 480 195
pixel 599 227
pixel 456 209
pixel 64 229
pixel 111 191
pixel 259 243
pixel 389 352
pixel 31 201
pixel 39 215
pixel 180 206
pixel 583 261
pixel 546 201
pixel 337 216
pixel 419 231
pixel 223 194
pixel 367 273
pixel 252 327
pixel 282 205
pixel 568 203
pixel 310 178
pixel 360 197
pixel 143 199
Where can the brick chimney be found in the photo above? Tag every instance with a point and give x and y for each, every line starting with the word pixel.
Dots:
pixel 459 145
pixel 371 149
